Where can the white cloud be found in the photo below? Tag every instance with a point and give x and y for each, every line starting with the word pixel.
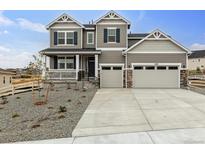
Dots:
pixel 26 24
pixel 197 46
pixel 5 20
pixel 4 32
pixel 141 16
pixel 4 49
pixel 10 58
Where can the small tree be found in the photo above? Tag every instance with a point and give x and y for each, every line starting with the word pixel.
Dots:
pixel 198 70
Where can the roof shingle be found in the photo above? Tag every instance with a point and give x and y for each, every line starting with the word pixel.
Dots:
pixel 197 54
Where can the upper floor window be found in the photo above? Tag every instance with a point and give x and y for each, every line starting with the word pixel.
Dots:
pixel 61 37
pixel 65 38
pixel 90 38
pixel 111 35
pixel 70 38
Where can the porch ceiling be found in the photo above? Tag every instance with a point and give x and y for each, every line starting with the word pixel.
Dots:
pixel 54 51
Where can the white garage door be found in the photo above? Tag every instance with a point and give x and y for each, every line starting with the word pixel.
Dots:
pixel 111 77
pixel 156 76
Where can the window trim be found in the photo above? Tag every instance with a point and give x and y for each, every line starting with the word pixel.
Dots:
pixel 65 39
pixel 92 37
pixel 111 28
pixel 65 57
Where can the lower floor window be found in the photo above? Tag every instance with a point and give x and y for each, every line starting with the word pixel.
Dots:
pixel 65 62
pixel 70 62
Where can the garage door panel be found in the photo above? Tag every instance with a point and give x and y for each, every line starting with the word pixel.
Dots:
pixel 111 78
pixel 155 78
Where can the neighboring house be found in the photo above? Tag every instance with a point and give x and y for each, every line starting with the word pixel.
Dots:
pixel 197 60
pixel 104 50
pixel 5 78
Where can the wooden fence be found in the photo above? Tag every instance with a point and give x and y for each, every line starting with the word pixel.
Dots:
pixel 21 87
pixel 197 83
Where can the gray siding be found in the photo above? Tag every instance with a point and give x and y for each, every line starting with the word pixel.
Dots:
pixel 66 29
pixel 156 58
pixel 111 57
pixel 85 45
pixel 157 46
pixel 100 36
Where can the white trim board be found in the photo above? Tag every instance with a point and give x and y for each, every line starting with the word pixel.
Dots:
pixel 111 49
pixel 64 14
pixel 93 37
pixel 164 52
pixel 127 21
pixel 161 34
pixel 67 53
pixel 111 64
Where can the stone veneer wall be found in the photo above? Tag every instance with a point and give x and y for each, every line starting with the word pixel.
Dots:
pixel 129 79
pixel 183 78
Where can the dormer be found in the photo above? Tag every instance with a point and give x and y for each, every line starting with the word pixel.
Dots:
pixel 111 32
pixel 65 32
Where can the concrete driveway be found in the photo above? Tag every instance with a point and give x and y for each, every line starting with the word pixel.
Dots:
pixel 131 110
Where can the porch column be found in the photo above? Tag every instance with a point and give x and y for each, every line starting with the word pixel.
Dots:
pixel 96 66
pixel 44 66
pixel 77 66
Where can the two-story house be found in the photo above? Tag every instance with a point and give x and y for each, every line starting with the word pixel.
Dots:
pixel 104 50
pixel 197 60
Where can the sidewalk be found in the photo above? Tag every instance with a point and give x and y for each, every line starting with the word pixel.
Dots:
pixel 174 136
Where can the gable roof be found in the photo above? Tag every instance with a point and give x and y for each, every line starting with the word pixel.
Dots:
pixel 157 34
pixel 197 54
pixel 121 17
pixel 61 16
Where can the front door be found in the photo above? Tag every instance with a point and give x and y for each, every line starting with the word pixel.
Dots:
pixel 91 67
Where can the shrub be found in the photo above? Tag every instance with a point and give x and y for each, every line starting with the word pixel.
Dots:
pixel 15 115
pixel 62 109
pixel 18 97
pixel 4 100
pixel 61 117
pixel 198 70
pixel 69 100
pixel 35 126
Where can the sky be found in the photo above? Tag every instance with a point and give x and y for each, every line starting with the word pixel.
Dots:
pixel 23 33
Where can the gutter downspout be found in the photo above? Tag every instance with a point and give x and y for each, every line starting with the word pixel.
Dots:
pixel 126 70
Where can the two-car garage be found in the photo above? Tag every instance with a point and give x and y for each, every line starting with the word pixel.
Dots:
pixel 143 75
pixel 156 76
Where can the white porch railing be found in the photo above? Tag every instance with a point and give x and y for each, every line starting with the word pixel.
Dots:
pixel 61 74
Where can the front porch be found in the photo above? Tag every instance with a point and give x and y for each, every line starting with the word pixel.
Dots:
pixel 71 67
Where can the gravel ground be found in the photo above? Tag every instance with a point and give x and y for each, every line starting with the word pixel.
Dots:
pixel 21 120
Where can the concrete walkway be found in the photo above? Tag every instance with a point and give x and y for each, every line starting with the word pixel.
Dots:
pixel 116 111
pixel 175 136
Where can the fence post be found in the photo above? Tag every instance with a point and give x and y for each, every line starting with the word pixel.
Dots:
pixel 32 86
pixel 13 89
